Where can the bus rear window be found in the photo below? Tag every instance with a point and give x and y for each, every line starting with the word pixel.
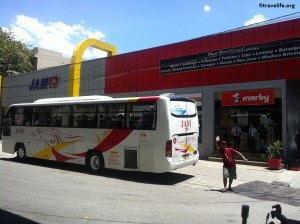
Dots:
pixel 183 108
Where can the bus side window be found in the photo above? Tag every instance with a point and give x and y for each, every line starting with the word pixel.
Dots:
pixel 6 131
pixel 19 116
pixel 118 120
pixel 142 116
pixel 82 121
pixel 100 121
pixel 67 118
pixel 41 116
pixel 8 121
pixel 147 122
pixel 133 122
pixel 56 117
pixel 60 116
pixel 116 113
pixel 101 116
pixel 19 119
pixel 27 116
pixel 111 116
pixel 85 116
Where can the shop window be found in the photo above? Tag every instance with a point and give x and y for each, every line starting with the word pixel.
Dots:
pixel 199 110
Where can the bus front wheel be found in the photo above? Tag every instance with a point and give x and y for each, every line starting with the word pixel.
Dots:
pixel 95 162
pixel 21 152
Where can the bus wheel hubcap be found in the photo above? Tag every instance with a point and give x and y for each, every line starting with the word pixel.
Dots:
pixel 21 153
pixel 95 162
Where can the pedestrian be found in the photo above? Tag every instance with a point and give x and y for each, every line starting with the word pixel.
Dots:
pixel 252 135
pixel 229 166
pixel 297 141
pixel 263 134
pixel 236 132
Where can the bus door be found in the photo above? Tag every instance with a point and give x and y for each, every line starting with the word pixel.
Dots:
pixel 36 148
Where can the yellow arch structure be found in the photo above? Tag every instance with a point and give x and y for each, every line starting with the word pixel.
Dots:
pixel 75 66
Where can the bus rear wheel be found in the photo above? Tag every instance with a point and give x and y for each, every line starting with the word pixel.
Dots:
pixel 95 162
pixel 21 152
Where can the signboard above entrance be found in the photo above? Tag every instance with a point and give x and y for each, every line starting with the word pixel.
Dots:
pixel 248 97
pixel 275 50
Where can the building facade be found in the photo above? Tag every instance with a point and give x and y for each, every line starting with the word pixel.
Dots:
pixel 246 76
pixel 45 59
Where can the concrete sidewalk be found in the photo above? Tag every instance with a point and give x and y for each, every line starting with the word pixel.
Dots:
pixel 209 173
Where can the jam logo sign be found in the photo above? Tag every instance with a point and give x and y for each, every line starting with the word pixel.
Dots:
pixel 249 97
pixel 44 83
pixel 186 123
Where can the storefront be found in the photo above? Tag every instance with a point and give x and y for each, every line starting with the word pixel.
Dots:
pixel 262 108
pixel 246 76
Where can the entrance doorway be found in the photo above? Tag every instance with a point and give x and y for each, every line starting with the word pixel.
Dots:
pixel 267 119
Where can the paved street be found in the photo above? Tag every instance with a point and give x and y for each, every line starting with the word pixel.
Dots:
pixel 208 174
pixel 257 186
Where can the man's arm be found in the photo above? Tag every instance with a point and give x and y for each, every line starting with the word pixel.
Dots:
pixel 244 158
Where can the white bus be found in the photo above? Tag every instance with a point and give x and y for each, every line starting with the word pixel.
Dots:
pixel 149 134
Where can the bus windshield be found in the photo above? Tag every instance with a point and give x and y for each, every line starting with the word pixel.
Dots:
pixel 183 108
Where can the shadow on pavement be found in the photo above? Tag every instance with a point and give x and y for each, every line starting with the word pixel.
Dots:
pixel 275 191
pixel 168 178
pixel 8 217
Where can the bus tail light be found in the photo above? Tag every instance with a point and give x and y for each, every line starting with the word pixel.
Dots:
pixel 169 148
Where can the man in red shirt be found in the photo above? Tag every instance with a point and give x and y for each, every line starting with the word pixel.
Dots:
pixel 229 167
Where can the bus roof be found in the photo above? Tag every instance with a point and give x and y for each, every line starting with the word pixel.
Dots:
pixel 72 99
pixel 97 98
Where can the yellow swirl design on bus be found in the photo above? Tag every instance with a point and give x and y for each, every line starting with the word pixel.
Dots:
pixel 47 152
pixel 106 133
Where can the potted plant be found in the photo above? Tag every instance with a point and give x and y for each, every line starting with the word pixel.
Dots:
pixel 274 155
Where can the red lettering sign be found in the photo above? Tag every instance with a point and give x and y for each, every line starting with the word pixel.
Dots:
pixel 250 97
pixel 19 130
pixel 186 123
pixel 53 82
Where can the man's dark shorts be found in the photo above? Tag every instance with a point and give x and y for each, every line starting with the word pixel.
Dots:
pixel 229 172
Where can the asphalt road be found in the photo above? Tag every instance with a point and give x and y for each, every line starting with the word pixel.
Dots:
pixel 48 192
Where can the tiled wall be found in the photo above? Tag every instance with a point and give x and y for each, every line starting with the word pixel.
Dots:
pixel 139 71
pixel 15 89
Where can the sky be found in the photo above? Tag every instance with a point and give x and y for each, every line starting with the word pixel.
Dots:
pixel 131 25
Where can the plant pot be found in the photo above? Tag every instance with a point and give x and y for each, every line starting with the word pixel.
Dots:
pixel 275 163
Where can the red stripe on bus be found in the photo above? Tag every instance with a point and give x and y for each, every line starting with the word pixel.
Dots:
pixel 148 98
pixel 113 139
pixel 59 157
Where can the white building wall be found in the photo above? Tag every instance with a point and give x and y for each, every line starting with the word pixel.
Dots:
pixel 47 58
